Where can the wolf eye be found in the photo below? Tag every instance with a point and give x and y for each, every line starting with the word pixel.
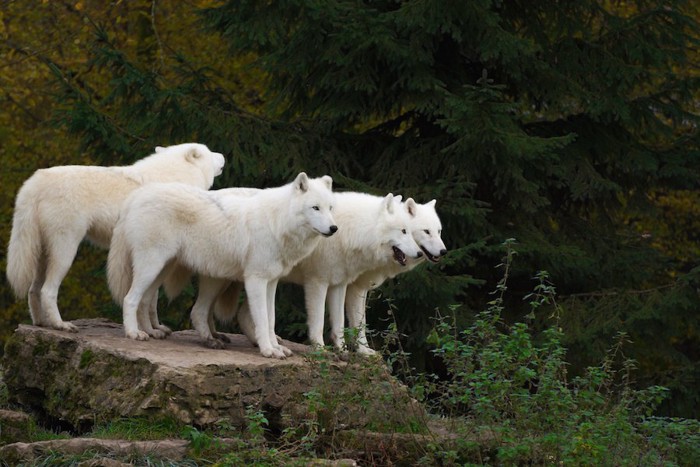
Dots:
pixel 403 231
pixel 315 208
pixel 427 231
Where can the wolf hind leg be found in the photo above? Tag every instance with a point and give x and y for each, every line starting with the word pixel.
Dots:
pixel 202 311
pixel 34 295
pixel 355 309
pixel 158 327
pixel 271 292
pixel 144 284
pixel 147 310
pixel 336 315
pixel 315 296
pixel 60 253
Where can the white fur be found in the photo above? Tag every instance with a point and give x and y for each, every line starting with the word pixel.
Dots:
pixel 426 229
pixel 369 229
pixel 255 239
pixel 58 207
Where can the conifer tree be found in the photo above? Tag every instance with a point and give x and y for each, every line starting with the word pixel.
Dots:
pixel 548 122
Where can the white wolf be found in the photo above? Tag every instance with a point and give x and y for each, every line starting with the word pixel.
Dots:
pixel 58 207
pixel 374 232
pixel 426 229
pixel 254 239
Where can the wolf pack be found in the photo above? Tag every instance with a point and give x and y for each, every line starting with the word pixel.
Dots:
pixel 163 225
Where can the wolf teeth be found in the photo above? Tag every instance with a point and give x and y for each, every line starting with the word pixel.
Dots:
pixel 399 256
pixel 431 258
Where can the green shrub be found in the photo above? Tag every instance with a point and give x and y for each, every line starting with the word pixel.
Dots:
pixel 509 387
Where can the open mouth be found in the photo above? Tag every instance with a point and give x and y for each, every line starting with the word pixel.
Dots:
pixel 431 258
pixel 399 255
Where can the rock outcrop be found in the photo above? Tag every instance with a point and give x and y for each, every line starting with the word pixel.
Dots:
pixel 97 375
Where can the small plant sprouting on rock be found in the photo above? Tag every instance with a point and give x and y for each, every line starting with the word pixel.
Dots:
pixel 199 440
pixel 256 425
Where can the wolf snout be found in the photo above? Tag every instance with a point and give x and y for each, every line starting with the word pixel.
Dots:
pixel 431 257
pixel 332 229
pixel 419 254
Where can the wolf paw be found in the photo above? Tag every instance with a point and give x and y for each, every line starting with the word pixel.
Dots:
pixel 214 343
pixel 221 336
pixel 65 326
pixel 158 334
pixel 137 335
pixel 317 345
pixel 285 350
pixel 366 351
pixel 165 329
pixel 273 353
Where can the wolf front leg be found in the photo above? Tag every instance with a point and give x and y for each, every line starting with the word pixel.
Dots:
pixel 256 289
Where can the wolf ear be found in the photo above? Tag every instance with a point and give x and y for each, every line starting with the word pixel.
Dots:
pixel 430 203
pixel 301 183
pixel 388 203
pixel 411 207
pixel 159 149
pixel 328 181
pixel 192 155
pixel 398 198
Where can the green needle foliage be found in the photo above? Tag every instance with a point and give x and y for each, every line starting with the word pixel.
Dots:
pixel 549 122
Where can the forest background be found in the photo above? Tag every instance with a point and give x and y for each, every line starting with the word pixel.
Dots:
pixel 571 127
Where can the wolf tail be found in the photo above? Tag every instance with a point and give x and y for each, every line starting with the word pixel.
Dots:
pixel 119 264
pixel 227 304
pixel 25 247
pixel 176 279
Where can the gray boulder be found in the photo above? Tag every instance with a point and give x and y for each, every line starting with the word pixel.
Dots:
pixel 97 375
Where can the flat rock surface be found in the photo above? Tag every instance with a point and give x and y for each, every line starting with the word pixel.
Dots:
pixel 182 349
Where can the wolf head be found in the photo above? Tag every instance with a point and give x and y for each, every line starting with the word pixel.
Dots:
pixel 426 229
pixel 313 198
pixel 395 225
pixel 211 163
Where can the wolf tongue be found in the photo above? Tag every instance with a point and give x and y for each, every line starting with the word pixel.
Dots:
pixel 399 256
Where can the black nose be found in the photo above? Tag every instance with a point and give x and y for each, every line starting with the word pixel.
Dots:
pixel 443 252
pixel 420 253
pixel 334 229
